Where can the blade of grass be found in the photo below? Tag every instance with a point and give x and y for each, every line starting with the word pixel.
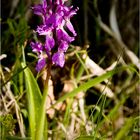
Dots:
pixel 100 114
pixel 125 129
pixel 136 128
pixel 86 138
pixel 82 63
pixel 97 108
pixel 16 138
pixel 67 112
pixel 112 115
pixel 79 73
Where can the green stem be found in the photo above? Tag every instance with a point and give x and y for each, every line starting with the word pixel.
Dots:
pixel 42 114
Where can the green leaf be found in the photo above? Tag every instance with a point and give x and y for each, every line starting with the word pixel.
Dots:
pixel 34 99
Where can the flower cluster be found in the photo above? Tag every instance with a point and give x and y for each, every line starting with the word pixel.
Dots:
pixel 55 19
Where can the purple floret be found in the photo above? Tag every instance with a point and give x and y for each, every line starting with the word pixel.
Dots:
pixel 63 46
pixel 36 47
pixel 49 43
pixel 63 35
pixel 58 59
pixel 40 64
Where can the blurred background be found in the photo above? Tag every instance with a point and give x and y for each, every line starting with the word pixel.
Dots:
pixel 108 33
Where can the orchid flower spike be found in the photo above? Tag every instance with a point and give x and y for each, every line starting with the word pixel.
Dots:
pixel 56 18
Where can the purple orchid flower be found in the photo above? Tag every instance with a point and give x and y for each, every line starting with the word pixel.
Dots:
pixel 58 58
pixel 40 64
pixel 55 18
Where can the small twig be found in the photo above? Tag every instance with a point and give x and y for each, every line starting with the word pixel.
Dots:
pixel 4 103
pixel 13 7
pixel 19 116
pixel 132 57
pixel 81 106
pixel 20 120
pixel 113 19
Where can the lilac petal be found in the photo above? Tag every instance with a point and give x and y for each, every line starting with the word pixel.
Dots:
pixel 38 10
pixel 44 4
pixel 54 20
pixel 36 47
pixel 63 35
pixel 62 9
pixel 59 59
pixel 41 10
pixel 70 27
pixel 40 64
pixel 49 44
pixel 43 30
pixel 58 19
pixel 72 12
pixel 68 11
pixel 50 22
pixel 63 46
